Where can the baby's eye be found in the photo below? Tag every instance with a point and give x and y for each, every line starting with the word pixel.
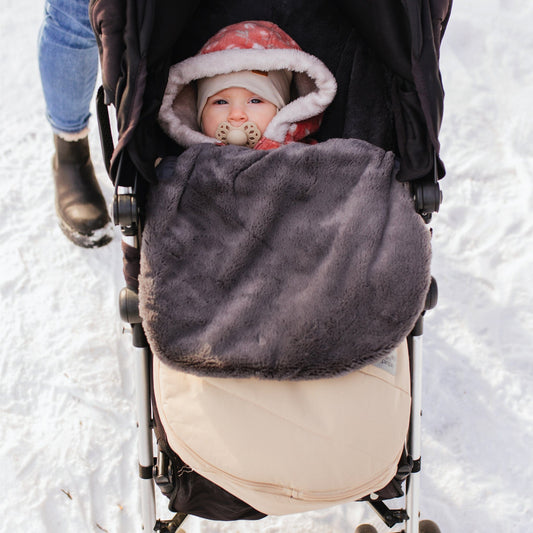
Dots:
pixel 256 101
pixel 220 101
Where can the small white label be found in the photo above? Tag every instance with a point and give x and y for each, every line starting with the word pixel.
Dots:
pixel 388 363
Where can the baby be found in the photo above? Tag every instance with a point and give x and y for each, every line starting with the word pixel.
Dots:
pixel 250 85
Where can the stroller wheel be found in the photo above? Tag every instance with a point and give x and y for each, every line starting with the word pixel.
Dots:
pixel 365 528
pixel 428 526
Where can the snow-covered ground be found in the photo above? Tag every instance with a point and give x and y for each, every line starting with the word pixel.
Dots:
pixel 67 423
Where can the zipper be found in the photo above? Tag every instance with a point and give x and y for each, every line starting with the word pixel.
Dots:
pixel 273 489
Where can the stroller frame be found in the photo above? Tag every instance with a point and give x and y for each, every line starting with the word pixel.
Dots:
pixel 129 169
pixel 154 467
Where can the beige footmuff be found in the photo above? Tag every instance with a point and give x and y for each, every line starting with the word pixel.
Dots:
pixel 290 446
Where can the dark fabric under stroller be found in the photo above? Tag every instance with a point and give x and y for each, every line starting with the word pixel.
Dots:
pixel 384 56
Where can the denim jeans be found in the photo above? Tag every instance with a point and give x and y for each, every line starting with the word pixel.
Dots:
pixel 68 63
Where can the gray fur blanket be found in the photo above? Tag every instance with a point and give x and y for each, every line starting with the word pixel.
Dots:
pixel 297 263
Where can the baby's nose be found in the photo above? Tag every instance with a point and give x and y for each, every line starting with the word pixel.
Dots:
pixel 237 115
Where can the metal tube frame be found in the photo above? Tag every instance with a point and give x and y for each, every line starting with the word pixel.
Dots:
pixel 143 404
pixel 412 496
pixel 409 515
pixel 145 437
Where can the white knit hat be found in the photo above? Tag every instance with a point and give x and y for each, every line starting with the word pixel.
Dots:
pixel 273 86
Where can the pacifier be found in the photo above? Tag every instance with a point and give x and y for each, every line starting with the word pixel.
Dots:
pixel 246 134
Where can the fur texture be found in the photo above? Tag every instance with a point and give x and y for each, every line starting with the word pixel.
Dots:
pixel 297 263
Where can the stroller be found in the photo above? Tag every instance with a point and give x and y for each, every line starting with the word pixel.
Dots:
pixel 389 101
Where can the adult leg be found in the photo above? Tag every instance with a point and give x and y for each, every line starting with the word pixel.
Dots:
pixel 68 62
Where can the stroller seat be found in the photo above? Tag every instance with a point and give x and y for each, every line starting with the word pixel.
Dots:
pixel 286 447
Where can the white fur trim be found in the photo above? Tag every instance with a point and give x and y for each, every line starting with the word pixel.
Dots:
pixel 313 98
pixel 72 137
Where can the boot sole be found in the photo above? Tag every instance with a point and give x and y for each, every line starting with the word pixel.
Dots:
pixel 95 239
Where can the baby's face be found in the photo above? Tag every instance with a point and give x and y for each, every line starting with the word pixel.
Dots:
pixel 236 106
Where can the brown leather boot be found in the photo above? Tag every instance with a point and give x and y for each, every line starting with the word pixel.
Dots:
pixel 80 206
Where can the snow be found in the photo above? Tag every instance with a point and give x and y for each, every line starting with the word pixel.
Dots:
pixel 67 422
